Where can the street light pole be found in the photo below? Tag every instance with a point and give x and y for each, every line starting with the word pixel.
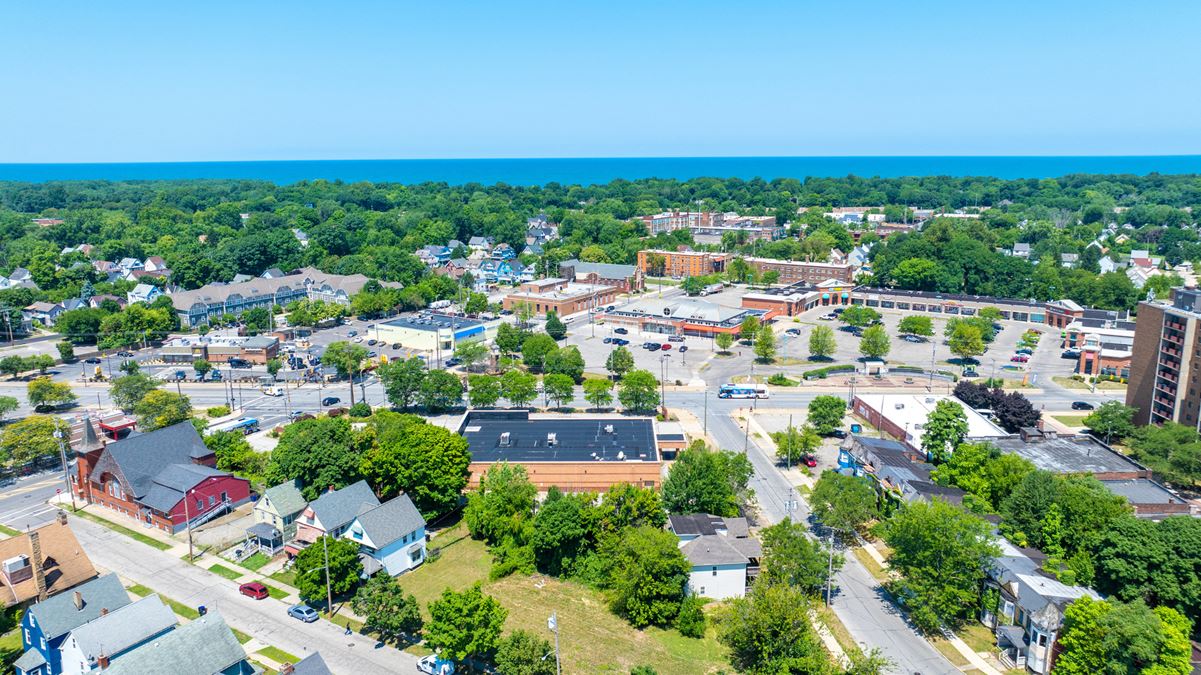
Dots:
pixel 329 595
pixel 553 624
pixel 62 451
pixel 188 523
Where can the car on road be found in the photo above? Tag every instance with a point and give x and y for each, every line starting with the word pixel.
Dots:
pixel 1070 354
pixel 92 360
pixel 352 333
pixel 125 355
pixel 254 590
pixel 371 342
pixel 396 346
pixel 837 433
pixel 665 346
pixel 452 361
pixel 330 400
pixel 1019 358
pixel 621 331
pixel 430 665
pixel 675 338
pixel 303 612
pixel 793 332
pixel 683 348
pixel 608 340
pixel 358 338
pixel 827 317
pixel 296 413
pixel 1082 405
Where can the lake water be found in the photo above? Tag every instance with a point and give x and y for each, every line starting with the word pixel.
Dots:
pixel 602 170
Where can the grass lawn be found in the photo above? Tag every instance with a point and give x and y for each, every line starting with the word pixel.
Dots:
pixel 278 655
pixel 874 568
pixel 841 635
pixel 265 669
pixel 131 533
pixel 946 649
pixel 276 593
pixel 592 639
pixel 10 643
pixel 978 637
pixel 223 571
pixel 242 637
pixel 287 578
pixel 256 561
pixel 178 607
pixel 1070 420
pixel 1072 383
pixel 8 531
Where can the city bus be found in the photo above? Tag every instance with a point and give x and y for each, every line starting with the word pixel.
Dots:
pixel 247 425
pixel 743 391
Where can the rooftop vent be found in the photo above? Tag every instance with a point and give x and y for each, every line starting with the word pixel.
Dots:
pixel 608 428
pixel 929 399
pixel 899 406
pixel 504 439
pixel 552 438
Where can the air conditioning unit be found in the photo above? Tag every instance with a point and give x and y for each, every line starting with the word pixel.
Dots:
pixel 13 565
pixel 504 439
pixel 608 428
pixel 552 438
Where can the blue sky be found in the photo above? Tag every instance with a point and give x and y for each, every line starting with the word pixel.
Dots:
pixel 166 81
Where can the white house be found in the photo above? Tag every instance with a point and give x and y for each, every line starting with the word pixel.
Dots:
pixel 94 645
pixel 146 293
pixel 724 558
pixel 391 535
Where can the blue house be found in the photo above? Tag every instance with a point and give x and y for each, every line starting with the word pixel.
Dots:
pixel 390 536
pixel 503 252
pixel 45 626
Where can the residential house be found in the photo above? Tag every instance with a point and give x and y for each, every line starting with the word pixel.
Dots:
pixel 42 312
pixel 1110 263
pixel 390 536
pixel 145 293
pixel 272 273
pixel 723 555
pixel 165 478
pixel 96 300
pixel 301 237
pixel 480 244
pixel 899 474
pixel 1021 250
pixel 1030 608
pixel 433 255
pixel 1069 260
pixel 454 268
pixel 45 625
pixel 454 245
pixel 313 664
pixel 156 264
pixel 275 516
pixel 20 276
pixel 503 251
pixel 127 264
pixel 204 646
pixel 42 563
pixel 859 256
pixel 331 513
pixel 539 230
pixel 533 249
pixel 99 643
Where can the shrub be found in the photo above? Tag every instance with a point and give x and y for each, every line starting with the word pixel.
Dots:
pixel 360 409
pixel 218 411
pixel 691 619
pixel 780 380
pixel 829 370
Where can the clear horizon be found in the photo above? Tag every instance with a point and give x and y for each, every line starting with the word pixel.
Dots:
pixel 136 81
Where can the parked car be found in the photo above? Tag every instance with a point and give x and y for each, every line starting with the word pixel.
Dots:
pixel 793 332
pixel 296 413
pixel 665 346
pixel 683 348
pixel 608 340
pixel 1019 358
pixel 1070 354
pixel 970 372
pixel 371 342
pixel 330 400
pixel 254 590
pixel 430 665
pixel 827 317
pixel 125 355
pixel 838 311
pixel 395 346
pixel 92 360
pixel 1081 405
pixel 621 331
pixel 675 338
pixel 1026 350
pixel 452 362
pixel 620 342
pixel 809 460
pixel 358 339
pixel 352 332
pixel 837 433
pixel 303 612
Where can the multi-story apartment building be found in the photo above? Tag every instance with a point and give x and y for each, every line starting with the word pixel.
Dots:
pixel 680 264
pixel 803 270
pixel 1166 362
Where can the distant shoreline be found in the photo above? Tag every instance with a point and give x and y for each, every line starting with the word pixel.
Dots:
pixel 585 171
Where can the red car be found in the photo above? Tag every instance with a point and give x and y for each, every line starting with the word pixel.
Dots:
pixel 1020 358
pixel 809 460
pixel 665 347
pixel 254 590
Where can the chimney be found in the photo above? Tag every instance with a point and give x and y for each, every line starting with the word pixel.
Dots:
pixel 102 661
pixel 103 611
pixel 78 597
pixel 286 669
pixel 39 577
pixel 62 517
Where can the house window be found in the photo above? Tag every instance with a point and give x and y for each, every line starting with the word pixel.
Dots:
pixel 212 500
pixel 1042 640
pixel 357 534
pixel 200 504
pixel 224 496
pixel 715 571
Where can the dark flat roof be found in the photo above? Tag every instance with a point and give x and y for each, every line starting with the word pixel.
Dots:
pixel 575 440
pixel 430 321
pixel 1068 454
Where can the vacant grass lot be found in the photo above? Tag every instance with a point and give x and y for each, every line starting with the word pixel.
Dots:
pixel 1070 420
pixel 591 638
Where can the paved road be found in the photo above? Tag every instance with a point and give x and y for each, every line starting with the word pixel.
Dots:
pixel 265 620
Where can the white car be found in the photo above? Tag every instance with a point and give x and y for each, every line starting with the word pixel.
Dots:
pixel 358 338
pixel 429 665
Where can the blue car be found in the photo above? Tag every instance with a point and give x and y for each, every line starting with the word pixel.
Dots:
pixel 303 612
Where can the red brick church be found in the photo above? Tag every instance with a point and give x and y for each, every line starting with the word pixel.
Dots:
pixel 164 478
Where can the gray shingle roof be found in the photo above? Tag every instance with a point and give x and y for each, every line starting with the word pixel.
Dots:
pixel 312 664
pixel 285 498
pixel 603 270
pixel 712 549
pixel 32 659
pixel 57 615
pixel 202 647
pixel 127 627
pixel 142 457
pixel 169 486
pixel 337 508
pixel 390 521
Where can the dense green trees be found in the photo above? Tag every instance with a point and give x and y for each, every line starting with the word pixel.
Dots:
pixel 321 453
pixel 387 610
pixel 821 343
pixel 159 409
pixel 940 552
pixel 946 427
pixel 1101 636
pixel 846 503
pixel 639 391
pixel 425 461
pixel 825 413
pixel 32 438
pixel 987 475
pixel 465 625
pixel 707 481
pixel 651 573
pixel 343 571
pixel 768 632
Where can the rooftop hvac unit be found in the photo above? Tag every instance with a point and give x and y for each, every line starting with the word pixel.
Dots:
pixel 504 439
pixel 929 399
pixel 16 564
pixel 552 438
pixel 899 406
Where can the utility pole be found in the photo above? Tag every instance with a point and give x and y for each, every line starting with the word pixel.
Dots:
pixel 706 416
pixel 791 431
pixel 62 451
pixel 188 524
pixel 830 568
pixel 553 624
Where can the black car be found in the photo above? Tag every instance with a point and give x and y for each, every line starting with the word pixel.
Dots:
pixel 92 360
pixel 837 433
pixel 1081 405
pixel 452 361
pixel 395 346
pixel 620 342
pixel 620 331
pixel 330 400
pixel 653 346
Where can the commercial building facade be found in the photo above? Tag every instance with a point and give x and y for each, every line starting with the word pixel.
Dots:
pixel 560 296
pixel 1166 360
pixel 575 453
pixel 680 264
pixel 430 332
pixel 623 278
pixel 683 316
pixel 791 271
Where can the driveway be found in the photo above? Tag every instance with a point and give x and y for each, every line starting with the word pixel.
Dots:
pixel 264 619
